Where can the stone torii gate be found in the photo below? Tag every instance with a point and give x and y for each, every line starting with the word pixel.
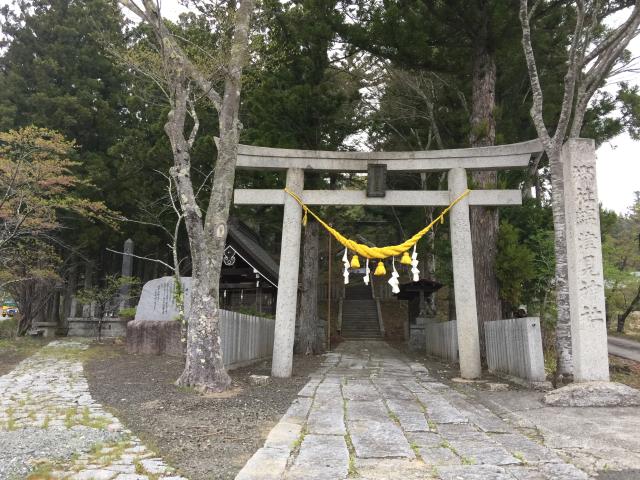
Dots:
pixel 588 326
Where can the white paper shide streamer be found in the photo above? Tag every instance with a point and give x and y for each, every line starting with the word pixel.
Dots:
pixel 414 265
pixel 345 260
pixel 367 273
pixel 393 281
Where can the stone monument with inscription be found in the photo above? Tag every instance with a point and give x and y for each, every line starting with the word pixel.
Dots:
pixel 584 255
pixel 158 299
pixel 155 329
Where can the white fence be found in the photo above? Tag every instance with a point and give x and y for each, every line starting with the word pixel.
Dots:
pixel 514 347
pixel 245 338
pixel 442 340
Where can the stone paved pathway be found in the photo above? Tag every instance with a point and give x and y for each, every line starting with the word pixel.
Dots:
pixel 50 427
pixel 370 413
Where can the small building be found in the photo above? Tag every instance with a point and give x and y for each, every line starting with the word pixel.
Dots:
pixel 416 294
pixel 249 277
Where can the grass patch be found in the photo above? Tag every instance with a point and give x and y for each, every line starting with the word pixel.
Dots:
pixel 43 471
pixel 416 449
pixel 447 445
pixel 73 417
pixel 394 418
pixel 624 371
pixel 74 353
pixel 468 461
pixel 520 456
pixel 24 346
pixel 298 441
pixel 352 470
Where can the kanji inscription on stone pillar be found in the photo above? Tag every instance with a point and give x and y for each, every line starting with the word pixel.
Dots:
pixel 584 254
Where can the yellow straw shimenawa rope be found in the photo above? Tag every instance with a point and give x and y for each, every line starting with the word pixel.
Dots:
pixel 375 252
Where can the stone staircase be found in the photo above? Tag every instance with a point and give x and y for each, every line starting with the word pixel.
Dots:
pixel 359 314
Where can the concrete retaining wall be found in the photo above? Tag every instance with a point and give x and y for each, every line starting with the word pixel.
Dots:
pixel 514 347
pixel 441 340
pixel 88 327
pixel 245 338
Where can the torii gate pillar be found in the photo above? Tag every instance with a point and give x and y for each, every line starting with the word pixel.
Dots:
pixel 464 284
pixel 287 301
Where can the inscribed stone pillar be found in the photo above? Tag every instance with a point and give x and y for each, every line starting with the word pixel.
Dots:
pixel 584 256
pixel 127 270
pixel 288 279
pixel 463 278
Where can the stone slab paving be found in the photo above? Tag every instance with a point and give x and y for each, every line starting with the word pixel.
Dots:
pixel 371 413
pixel 50 427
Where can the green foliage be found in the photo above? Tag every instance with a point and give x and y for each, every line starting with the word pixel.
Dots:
pixel 104 295
pixel 621 259
pixel 8 328
pixel 515 264
pixel 127 312
pixel 41 196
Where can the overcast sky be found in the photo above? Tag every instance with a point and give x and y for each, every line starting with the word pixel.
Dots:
pixel 618 160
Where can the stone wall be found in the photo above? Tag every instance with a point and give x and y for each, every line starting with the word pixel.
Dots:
pixel 90 327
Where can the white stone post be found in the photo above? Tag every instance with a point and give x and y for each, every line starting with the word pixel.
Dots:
pixel 463 278
pixel 584 256
pixel 288 279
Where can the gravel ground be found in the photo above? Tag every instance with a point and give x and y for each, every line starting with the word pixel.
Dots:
pixel 22 448
pixel 204 437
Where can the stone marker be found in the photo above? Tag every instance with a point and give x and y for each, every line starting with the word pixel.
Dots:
pixel 259 379
pixel 584 257
pixel 127 271
pixel 157 300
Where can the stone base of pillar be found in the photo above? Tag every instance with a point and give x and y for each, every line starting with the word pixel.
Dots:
pixel 594 394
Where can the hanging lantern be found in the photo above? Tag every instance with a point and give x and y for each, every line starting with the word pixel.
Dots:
pixel 380 270
pixel 406 259
pixel 355 262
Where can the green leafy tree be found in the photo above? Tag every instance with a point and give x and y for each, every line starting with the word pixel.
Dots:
pixel 621 259
pixel 515 265
pixel 38 192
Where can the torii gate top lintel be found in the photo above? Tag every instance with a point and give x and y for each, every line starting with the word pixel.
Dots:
pixel 516 155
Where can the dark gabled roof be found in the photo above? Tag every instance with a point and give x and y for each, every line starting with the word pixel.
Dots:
pixel 410 290
pixel 241 237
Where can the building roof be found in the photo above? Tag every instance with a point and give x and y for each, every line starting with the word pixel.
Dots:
pixel 412 289
pixel 242 238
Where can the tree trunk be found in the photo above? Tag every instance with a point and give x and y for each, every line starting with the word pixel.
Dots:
pixel 308 341
pixel 563 322
pixel 484 221
pixel 204 366
pixel 622 318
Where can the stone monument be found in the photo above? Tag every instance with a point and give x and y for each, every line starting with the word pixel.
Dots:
pixel 156 329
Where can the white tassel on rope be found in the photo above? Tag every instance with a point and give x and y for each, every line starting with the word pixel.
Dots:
pixel 367 273
pixel 414 265
pixel 393 281
pixel 345 260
